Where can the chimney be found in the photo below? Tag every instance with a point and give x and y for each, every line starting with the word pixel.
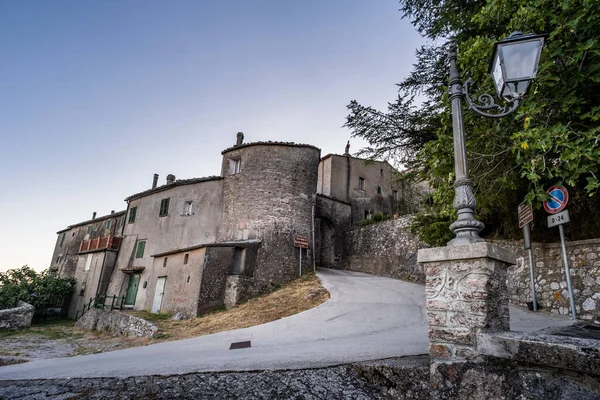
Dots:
pixel 170 179
pixel 94 215
pixel 347 150
pixel 155 181
pixel 240 139
pixel 112 211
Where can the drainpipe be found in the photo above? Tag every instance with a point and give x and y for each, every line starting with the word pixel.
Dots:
pixel 313 234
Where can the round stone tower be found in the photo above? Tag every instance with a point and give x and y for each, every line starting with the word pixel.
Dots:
pixel 268 194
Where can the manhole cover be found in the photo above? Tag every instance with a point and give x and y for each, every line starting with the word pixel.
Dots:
pixel 240 345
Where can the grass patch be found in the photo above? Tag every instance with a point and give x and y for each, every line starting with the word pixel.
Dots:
pixel 53 330
pixel 299 295
pixel 151 317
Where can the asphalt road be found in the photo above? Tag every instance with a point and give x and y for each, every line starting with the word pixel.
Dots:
pixel 367 317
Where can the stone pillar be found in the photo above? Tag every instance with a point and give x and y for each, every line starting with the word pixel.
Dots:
pixel 466 294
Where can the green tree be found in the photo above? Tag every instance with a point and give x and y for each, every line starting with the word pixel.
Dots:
pixel 38 289
pixel 554 137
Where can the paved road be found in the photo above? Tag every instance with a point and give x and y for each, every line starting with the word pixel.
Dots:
pixel 368 317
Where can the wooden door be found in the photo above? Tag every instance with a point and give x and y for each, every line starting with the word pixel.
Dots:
pixel 132 288
pixel 159 294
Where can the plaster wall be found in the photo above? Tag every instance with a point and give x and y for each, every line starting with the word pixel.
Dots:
pixel 333 219
pixel 87 281
pixel 182 284
pixel 66 250
pixel 169 233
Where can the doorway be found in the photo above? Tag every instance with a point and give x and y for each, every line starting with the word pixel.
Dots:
pixel 132 289
pixel 159 293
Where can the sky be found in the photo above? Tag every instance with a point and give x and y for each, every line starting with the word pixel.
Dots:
pixel 97 96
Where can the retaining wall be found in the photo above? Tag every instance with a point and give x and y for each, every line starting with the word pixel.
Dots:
pixel 385 248
pixel 17 318
pixel 116 322
pixel 550 282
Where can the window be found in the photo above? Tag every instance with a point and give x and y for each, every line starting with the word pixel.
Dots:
pixel 132 214
pixel 62 240
pixel 164 207
pixel 57 259
pixel 367 214
pixel 186 259
pixel 235 165
pixel 188 279
pixel 395 195
pixel 108 224
pixel 239 260
pixel 381 171
pixel 88 263
pixel 361 183
pixel 187 208
pixel 82 289
pixel 378 189
pixel 89 230
pixel 139 252
pixel 165 262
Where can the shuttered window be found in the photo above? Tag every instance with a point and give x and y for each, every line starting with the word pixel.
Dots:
pixel 139 253
pixel 164 208
pixel 132 214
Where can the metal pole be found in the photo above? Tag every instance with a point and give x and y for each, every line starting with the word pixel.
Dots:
pixel 567 273
pixel 313 239
pixel 527 246
pixel 532 280
pixel 466 227
pixel 300 272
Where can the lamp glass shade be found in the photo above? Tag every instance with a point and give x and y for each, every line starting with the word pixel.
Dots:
pixel 515 63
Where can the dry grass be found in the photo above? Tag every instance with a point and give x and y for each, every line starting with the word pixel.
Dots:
pixel 299 295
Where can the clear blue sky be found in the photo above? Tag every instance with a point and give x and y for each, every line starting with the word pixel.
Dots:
pixel 97 96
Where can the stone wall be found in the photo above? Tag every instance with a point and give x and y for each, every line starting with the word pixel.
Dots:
pixel 385 248
pixel 17 318
pixel 550 282
pixel 270 199
pixel 116 322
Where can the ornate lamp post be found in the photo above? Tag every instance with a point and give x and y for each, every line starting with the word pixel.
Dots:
pixel 514 66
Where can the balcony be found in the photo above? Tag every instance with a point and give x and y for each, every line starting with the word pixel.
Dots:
pixel 100 243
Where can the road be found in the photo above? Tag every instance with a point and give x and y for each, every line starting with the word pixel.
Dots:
pixel 367 317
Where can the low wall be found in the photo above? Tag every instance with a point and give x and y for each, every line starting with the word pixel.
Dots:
pixel 17 318
pixel 116 322
pixel 385 248
pixel 550 282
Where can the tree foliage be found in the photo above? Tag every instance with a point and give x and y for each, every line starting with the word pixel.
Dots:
pixel 553 138
pixel 37 289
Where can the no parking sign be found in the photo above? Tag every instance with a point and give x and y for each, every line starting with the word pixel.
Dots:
pixel 560 198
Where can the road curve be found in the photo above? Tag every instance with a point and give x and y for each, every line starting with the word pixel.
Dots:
pixel 367 317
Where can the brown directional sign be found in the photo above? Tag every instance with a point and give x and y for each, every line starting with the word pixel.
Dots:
pixel 525 214
pixel 301 241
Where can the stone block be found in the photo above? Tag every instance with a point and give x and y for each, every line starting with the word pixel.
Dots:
pixel 16 318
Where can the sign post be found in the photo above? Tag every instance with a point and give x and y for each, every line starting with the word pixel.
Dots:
pixel 302 243
pixel 558 217
pixel 525 219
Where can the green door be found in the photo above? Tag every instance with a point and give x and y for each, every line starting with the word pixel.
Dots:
pixel 132 288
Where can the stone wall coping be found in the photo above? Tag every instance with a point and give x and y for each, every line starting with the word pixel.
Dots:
pixel 576 354
pixel 21 307
pixel 466 252
pixel 548 245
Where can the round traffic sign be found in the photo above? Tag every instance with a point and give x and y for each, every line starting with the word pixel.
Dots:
pixel 560 198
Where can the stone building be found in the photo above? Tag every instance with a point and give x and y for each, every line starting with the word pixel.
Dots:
pixel 192 244
pixel 87 252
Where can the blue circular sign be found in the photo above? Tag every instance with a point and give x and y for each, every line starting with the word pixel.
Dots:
pixel 560 198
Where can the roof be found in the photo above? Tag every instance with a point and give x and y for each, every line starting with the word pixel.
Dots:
pixel 332 198
pixel 269 143
pixel 178 182
pixel 239 243
pixel 367 160
pixel 93 221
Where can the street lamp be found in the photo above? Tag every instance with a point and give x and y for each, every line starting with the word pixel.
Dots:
pixel 514 65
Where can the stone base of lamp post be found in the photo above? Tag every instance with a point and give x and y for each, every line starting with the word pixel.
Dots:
pixel 466 295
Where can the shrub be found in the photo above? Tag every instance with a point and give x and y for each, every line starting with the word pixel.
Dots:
pixel 37 289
